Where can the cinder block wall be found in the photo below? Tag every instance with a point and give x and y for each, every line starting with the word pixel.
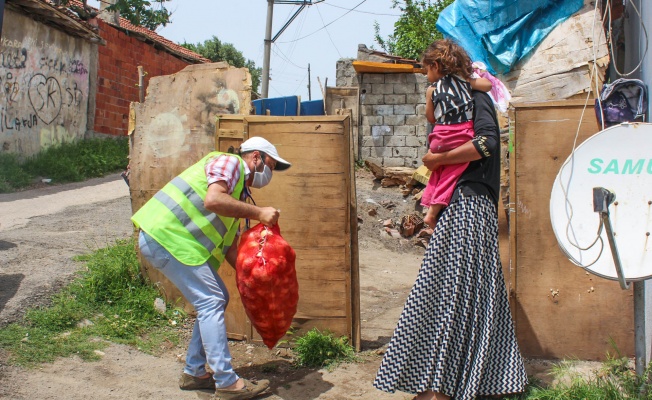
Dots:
pixel 117 80
pixel 393 127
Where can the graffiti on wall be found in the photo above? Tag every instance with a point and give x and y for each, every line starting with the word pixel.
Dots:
pixel 43 92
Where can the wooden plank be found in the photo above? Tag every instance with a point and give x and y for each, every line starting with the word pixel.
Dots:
pixel 562 311
pixel 513 233
pixel 550 104
pixel 385 68
pixel 229 133
pixel 343 101
pixel 261 119
pixel 356 320
pixel 274 127
pixel 327 271
pixel 237 323
pixel 313 301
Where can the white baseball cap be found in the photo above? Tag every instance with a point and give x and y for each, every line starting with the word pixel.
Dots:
pixel 261 144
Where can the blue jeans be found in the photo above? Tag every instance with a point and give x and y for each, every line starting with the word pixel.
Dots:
pixel 204 289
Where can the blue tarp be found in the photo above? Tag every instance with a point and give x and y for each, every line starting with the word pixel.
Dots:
pixel 501 32
pixel 312 107
pixel 288 106
pixel 283 106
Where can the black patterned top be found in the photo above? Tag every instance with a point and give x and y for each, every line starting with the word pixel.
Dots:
pixel 483 176
pixel 452 100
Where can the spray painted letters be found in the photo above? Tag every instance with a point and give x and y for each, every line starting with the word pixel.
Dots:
pixel 44 86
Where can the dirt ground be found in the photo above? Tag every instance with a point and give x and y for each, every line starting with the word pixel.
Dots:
pixel 42 229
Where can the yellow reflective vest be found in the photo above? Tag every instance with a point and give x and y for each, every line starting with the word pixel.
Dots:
pixel 177 219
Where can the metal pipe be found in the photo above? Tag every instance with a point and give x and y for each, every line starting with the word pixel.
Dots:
pixel 614 250
pixel 639 328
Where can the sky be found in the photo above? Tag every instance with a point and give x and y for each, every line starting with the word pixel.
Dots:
pixel 320 35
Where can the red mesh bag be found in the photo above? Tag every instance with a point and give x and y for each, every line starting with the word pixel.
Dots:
pixel 267 281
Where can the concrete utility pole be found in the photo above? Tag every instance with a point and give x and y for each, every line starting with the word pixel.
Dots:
pixel 269 39
pixel 268 48
pixel 309 97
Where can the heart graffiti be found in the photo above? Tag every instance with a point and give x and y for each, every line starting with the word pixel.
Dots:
pixel 45 97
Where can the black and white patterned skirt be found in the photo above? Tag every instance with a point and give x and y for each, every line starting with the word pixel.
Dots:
pixel 455 335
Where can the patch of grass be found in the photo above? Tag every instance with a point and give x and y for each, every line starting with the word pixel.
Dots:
pixel 68 162
pixel 615 381
pixel 12 175
pixel 317 349
pixel 109 301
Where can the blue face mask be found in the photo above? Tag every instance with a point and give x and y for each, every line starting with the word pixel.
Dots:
pixel 262 179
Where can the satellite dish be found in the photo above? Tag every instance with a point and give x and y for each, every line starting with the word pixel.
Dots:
pixel 618 159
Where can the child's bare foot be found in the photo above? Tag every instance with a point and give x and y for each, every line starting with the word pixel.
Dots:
pixel 430 220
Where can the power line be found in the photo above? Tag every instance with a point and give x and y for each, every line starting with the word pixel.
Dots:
pixel 284 57
pixel 287 57
pixel 329 34
pixel 363 12
pixel 324 27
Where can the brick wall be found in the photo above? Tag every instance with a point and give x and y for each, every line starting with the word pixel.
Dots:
pixel 117 76
pixel 393 124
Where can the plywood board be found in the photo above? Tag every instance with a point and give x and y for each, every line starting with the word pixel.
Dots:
pixel 173 129
pixel 561 310
pixel 317 203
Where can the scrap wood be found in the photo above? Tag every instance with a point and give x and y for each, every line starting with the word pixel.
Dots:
pixel 389 182
pixel 375 169
pixel 422 175
pixel 391 176
pixel 400 175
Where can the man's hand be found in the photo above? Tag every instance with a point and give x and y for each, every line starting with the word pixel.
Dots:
pixel 269 216
pixel 221 203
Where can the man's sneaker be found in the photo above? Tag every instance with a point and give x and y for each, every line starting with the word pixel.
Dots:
pixel 189 382
pixel 249 391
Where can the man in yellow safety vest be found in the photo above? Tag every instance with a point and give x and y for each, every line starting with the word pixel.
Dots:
pixel 187 230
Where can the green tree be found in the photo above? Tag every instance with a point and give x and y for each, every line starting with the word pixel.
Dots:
pixel 142 12
pixel 415 28
pixel 215 50
pixel 138 12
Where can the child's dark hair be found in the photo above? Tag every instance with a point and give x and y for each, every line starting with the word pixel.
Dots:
pixel 452 58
